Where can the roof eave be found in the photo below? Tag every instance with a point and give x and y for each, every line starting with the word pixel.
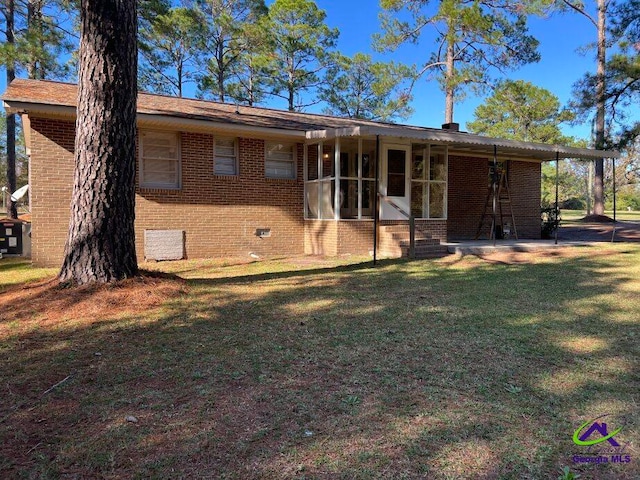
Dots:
pixel 537 150
pixel 159 120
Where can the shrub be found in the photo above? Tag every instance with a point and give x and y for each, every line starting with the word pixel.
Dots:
pixel 550 218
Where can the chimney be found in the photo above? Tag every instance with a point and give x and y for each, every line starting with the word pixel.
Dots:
pixel 454 127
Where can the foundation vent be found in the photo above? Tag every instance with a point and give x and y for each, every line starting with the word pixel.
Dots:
pixel 164 245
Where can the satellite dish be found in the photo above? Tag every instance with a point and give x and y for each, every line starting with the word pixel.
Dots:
pixel 18 194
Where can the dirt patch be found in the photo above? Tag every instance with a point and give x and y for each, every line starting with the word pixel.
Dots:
pixel 514 258
pixel 600 232
pixel 530 257
pixel 50 301
pixel 597 219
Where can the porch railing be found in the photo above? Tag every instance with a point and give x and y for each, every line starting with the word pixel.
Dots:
pixel 412 225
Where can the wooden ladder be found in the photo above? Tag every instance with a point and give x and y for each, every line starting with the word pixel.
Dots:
pixel 504 208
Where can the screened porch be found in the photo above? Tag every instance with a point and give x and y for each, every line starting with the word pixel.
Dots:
pixel 340 179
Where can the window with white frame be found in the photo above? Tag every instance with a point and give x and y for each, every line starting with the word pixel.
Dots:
pixel 160 160
pixel 429 182
pixel 280 160
pixel 225 157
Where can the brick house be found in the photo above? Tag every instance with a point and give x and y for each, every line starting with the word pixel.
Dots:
pixel 236 180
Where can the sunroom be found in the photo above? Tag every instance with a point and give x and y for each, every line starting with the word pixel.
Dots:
pixel 340 180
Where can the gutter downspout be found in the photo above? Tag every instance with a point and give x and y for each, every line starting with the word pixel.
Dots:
pixel 376 213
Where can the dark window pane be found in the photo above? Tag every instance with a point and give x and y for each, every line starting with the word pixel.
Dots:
pixel 397 169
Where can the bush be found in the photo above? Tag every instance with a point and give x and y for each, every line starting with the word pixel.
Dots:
pixel 573 203
pixel 550 218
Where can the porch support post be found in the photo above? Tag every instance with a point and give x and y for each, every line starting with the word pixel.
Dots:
pixel 305 177
pixel 557 210
pixel 320 176
pixel 613 233
pixel 359 173
pixel 376 203
pixel 336 168
pixel 412 237
pixel 494 186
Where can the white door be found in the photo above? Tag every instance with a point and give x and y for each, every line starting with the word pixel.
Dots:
pixel 395 182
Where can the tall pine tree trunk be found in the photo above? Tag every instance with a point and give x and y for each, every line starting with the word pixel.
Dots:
pixel 598 187
pixel 12 211
pixel 101 242
pixel 35 67
pixel 449 86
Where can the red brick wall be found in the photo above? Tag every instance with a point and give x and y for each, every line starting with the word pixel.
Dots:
pixel 331 237
pixel 468 185
pixel 218 213
pixel 51 181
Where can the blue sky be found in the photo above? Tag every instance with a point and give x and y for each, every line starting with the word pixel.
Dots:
pixel 560 36
pixel 561 66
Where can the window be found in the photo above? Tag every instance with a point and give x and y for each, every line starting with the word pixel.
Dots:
pixel 280 160
pixel 225 157
pixel 159 160
pixel 429 182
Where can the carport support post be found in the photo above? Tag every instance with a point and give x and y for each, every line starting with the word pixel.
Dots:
pixel 613 165
pixel 494 186
pixel 557 211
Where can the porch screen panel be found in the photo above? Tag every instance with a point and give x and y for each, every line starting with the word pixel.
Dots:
pixel 438 183
pixel 419 195
pixel 429 181
pixel 327 189
pixel 312 162
pixel 368 182
pixel 349 198
pixel 313 190
pixel 437 191
pixel 438 168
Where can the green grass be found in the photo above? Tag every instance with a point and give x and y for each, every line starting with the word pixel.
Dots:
pixel 286 369
pixel 15 271
pixel 623 215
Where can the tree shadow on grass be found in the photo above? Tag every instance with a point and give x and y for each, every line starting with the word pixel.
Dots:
pixel 413 370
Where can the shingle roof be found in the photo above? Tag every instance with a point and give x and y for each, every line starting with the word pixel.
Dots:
pixel 24 92
pixel 65 94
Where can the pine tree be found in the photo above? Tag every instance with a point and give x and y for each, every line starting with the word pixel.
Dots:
pixel 302 42
pixel 358 87
pixel 598 94
pixel 101 242
pixel 473 38
pixel 170 50
pixel 519 110
pixel 232 49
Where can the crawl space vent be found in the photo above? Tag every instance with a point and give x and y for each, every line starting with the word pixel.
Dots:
pixel 164 244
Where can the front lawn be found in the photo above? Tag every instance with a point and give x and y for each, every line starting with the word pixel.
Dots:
pixel 292 369
pixel 570 216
